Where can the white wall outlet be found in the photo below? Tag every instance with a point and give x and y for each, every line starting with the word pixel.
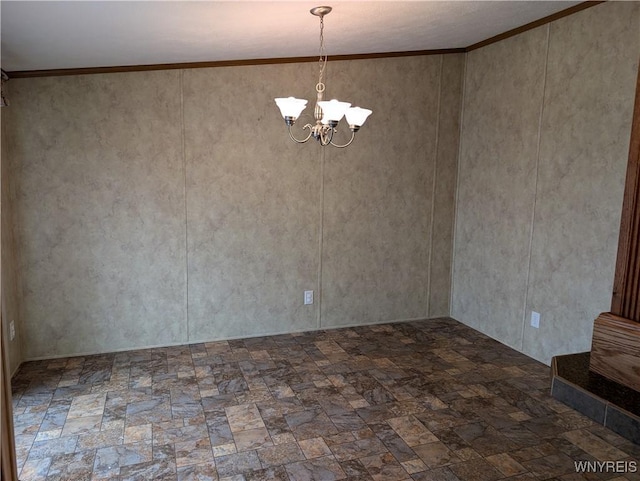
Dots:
pixel 12 330
pixel 308 297
pixel 535 319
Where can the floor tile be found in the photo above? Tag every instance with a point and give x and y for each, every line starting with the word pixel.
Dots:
pixel 314 448
pixel 324 469
pixel 237 463
pixel 244 417
pixel 82 425
pixel 198 472
pixel 76 466
pixel 250 439
pixel 383 467
pixel 280 454
pixel 506 464
pixel 476 470
pixel 412 431
pixel 108 461
pixel 163 470
pixel 87 405
pixel 193 452
pixel 435 455
pixel 426 400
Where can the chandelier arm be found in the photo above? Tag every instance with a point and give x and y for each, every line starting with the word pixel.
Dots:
pixel 353 136
pixel 308 126
pixel 326 136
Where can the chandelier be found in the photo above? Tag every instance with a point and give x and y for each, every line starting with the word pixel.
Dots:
pixel 326 113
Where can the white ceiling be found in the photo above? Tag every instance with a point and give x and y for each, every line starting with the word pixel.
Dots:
pixel 78 34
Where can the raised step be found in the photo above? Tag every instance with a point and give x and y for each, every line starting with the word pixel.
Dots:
pixel 607 402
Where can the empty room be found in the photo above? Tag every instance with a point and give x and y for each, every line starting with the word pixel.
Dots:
pixel 367 241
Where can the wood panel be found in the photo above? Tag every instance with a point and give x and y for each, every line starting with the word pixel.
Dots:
pixel 8 466
pixel 626 285
pixel 615 349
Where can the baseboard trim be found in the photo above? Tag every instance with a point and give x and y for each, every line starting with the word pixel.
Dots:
pixel 232 338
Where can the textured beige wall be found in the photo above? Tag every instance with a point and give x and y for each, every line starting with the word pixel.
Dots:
pixel 170 207
pixel 584 145
pixel 496 190
pixel 100 206
pixel 444 189
pixel 545 135
pixel 252 204
pixel 378 195
pixel 11 293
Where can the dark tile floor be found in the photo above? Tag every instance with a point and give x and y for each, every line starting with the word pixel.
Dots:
pixel 425 401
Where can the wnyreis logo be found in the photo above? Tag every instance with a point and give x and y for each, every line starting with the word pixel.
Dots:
pixel 619 467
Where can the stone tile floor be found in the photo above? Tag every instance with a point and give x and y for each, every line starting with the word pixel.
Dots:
pixel 427 401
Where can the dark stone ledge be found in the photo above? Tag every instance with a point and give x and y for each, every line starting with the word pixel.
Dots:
pixel 607 402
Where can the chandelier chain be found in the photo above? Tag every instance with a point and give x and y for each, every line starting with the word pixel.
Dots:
pixel 322 62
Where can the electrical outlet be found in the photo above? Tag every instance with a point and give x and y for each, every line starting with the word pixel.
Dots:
pixel 308 297
pixel 12 330
pixel 535 319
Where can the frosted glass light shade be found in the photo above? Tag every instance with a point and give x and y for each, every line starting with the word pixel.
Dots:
pixel 357 116
pixel 291 106
pixel 333 110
